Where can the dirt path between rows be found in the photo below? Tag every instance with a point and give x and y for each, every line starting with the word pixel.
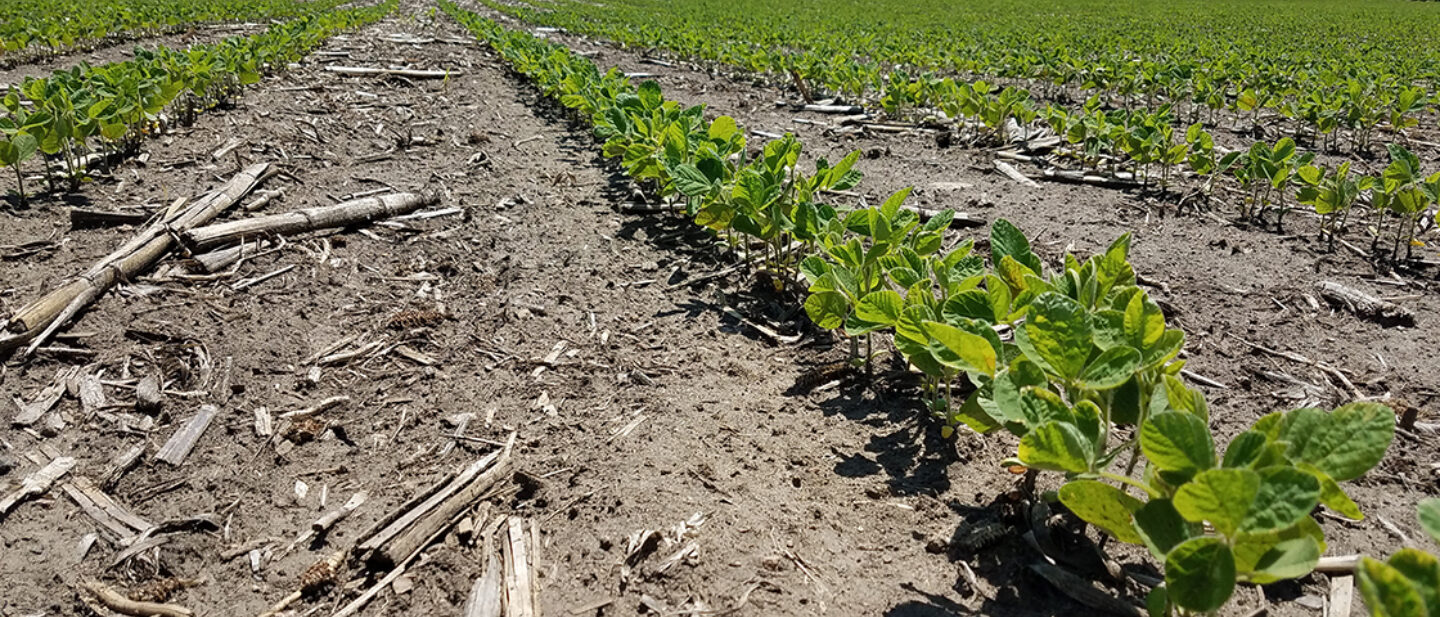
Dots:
pixel 809 504
pixel 658 409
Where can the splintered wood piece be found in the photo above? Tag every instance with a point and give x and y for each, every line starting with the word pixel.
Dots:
pixel 115 510
pixel 46 400
pixel 116 528
pixel 1342 595
pixel 324 405
pixel 1365 305
pixel 353 212
pixel 37 321
pixel 486 595
pixel 1080 177
pixel 264 198
pixel 1014 174
pixel 960 219
pixel 413 531
pixel 84 218
pixel 334 516
pixel 450 487
pixel 230 146
pixel 37 483
pixel 411 73
pixel 846 110
pixel 180 444
pixel 121 604
pixel 264 423
pixel 519 593
pixel 122 464
pixel 99 506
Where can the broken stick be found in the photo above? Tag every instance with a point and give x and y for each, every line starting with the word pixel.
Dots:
pixel 180 444
pixel 334 516
pixel 411 532
pixel 1365 305
pixel 37 483
pixel 121 604
pixel 40 319
pixel 1014 174
pixel 352 212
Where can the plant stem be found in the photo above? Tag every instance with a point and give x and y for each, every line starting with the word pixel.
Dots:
pixel 1127 480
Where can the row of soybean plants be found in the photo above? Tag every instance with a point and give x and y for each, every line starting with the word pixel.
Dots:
pixel 62 120
pixel 1399 201
pixel 1244 57
pixel 29 28
pixel 1085 352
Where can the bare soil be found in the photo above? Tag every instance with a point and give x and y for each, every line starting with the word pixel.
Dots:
pixel 660 406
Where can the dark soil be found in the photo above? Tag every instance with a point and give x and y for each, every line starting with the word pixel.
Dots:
pixel 812 502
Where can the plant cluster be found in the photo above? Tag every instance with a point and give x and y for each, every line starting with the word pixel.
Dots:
pixel 55 25
pixel 1078 363
pixel 1250 58
pixel 109 109
pixel 1131 121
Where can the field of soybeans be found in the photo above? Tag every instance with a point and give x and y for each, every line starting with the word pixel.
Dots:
pixel 511 308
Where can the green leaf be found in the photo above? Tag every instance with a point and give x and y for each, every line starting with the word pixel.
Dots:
pixel 1286 496
pixel 1057 334
pixel 1345 443
pixel 1245 450
pixel 689 180
pixel 882 306
pixel 973 414
pixel 1006 239
pixel 1157 602
pixel 813 268
pixel 1111 369
pixel 1285 560
pixel 892 205
pixel 1387 591
pixel 1430 518
pixel 649 93
pixel 1056 446
pixel 974 351
pixel 1221 496
pixel 1423 569
pixel 1177 442
pixel 827 309
pixel 1200 574
pixel 1161 527
pixel 1331 495
pixel 723 128
pixel 1103 506
pixel 25 146
pixel 1039 406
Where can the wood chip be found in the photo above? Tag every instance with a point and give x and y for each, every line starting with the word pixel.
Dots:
pixel 37 483
pixel 1014 174
pixel 183 441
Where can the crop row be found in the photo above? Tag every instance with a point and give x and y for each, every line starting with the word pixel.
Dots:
pixel 1249 57
pixel 1077 362
pixel 76 116
pixel 1273 177
pixel 54 25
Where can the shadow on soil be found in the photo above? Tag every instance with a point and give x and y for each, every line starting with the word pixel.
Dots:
pixel 905 445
